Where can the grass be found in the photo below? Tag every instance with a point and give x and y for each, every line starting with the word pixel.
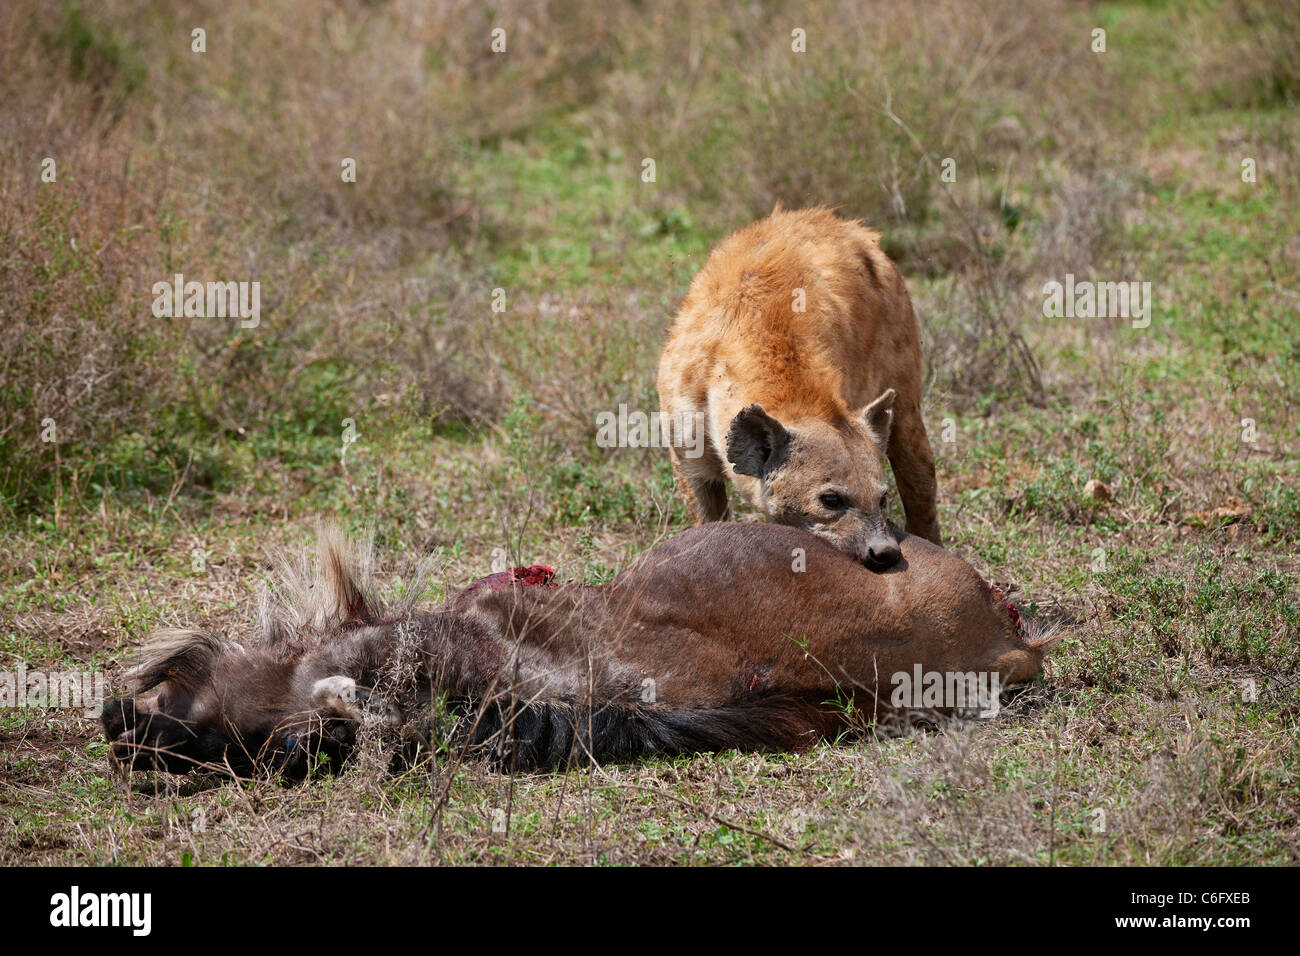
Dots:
pixel 1164 729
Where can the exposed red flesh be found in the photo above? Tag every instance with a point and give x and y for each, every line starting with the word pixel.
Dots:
pixel 535 575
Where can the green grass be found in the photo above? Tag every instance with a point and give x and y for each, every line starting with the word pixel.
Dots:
pixel 1141 711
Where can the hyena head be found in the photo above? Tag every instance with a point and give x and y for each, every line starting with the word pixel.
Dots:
pixel 825 477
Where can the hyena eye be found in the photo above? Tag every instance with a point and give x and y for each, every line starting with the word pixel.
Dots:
pixel 833 501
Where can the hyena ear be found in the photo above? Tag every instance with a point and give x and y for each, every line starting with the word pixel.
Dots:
pixel 756 441
pixel 879 417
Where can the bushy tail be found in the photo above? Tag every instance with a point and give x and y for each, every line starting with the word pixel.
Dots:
pixel 540 735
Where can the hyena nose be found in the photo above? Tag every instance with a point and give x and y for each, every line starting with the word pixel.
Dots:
pixel 883 553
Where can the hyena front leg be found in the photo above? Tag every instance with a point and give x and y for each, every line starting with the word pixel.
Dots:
pixel 913 464
pixel 701 481
pixel 705 496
